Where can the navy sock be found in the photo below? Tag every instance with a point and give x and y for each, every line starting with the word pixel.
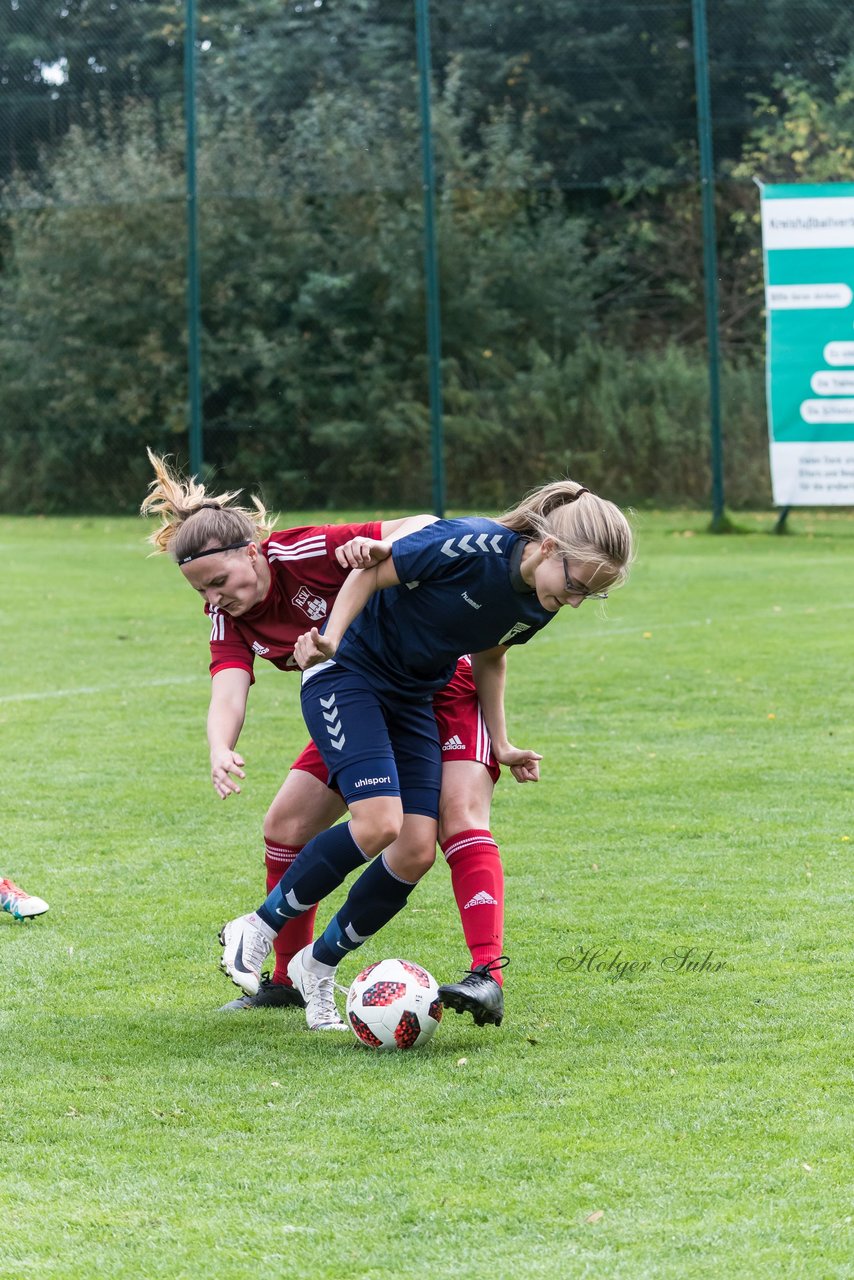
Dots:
pixel 322 865
pixel 375 898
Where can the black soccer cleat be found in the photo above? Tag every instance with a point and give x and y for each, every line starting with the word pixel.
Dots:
pixel 270 995
pixel 478 994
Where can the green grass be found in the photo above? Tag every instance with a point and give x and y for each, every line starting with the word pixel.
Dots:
pixel 696 792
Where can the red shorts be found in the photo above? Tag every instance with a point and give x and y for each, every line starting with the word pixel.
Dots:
pixel 462 731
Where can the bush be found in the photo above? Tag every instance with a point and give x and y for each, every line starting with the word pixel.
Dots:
pixel 315 376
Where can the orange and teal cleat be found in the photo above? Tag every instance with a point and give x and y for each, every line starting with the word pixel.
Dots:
pixel 20 905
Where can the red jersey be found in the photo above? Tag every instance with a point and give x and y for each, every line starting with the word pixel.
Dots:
pixel 305 578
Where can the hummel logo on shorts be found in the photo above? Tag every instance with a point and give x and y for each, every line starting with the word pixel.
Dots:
pixel 482 899
pixel 454 743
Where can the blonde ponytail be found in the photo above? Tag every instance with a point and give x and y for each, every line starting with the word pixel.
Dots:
pixel 582 525
pixel 191 519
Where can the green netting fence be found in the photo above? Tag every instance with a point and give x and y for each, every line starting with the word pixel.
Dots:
pixel 568 226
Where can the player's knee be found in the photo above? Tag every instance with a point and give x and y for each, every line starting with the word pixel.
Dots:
pixel 376 832
pixel 411 859
pixel 423 857
pixel 458 815
pixel 287 828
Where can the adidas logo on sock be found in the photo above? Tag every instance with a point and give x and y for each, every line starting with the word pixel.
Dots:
pixel 454 743
pixel 482 899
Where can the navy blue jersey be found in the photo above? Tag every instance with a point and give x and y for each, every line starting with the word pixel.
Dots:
pixel 460 592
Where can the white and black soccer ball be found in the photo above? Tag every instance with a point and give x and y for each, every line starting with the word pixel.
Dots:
pixel 394 1004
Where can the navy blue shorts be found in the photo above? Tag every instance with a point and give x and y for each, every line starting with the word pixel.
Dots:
pixel 371 744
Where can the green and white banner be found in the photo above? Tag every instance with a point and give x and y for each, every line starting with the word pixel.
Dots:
pixel 808 245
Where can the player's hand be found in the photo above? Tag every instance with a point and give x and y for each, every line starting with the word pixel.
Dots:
pixel 361 553
pixel 224 763
pixel 312 648
pixel 524 765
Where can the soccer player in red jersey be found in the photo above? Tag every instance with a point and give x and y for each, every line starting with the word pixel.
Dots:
pixel 262 589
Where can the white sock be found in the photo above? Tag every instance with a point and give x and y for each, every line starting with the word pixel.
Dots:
pixel 259 924
pixel 317 966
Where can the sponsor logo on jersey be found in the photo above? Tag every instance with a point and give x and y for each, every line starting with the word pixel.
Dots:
pixel 454 743
pixel 310 604
pixel 260 649
pixel 370 782
pixel 474 604
pixel 515 630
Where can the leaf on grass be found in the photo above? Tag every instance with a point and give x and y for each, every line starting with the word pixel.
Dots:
pixel 461 1062
pixel 595 1216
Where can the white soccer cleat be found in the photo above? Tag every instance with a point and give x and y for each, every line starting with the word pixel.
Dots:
pixel 318 991
pixel 20 905
pixel 246 941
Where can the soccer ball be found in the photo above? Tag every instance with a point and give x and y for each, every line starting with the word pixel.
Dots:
pixel 394 1004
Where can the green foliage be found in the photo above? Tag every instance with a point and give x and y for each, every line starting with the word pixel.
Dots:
pixel 312 301
pixel 561 305
pixel 802 134
pixel 91 307
pixel 634 426
pixel 81 63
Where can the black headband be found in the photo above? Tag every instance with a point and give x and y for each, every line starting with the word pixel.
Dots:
pixel 214 551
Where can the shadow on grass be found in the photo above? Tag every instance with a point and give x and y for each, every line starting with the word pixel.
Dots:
pixel 163 1042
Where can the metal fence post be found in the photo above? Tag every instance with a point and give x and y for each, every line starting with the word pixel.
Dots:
pixel 710 255
pixel 193 289
pixel 431 269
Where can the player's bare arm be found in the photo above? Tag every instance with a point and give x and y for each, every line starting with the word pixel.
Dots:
pixel 363 553
pixel 489 670
pixel 226 713
pixel 312 647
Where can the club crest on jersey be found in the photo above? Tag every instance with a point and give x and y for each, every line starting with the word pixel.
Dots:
pixel 312 605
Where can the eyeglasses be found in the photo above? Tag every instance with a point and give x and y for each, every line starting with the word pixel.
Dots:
pixel 577 589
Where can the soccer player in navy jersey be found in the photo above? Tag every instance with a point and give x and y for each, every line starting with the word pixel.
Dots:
pixel 261 589
pixel 391 641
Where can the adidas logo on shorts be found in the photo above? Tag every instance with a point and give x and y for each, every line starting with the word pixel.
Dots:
pixel 454 743
pixel 482 899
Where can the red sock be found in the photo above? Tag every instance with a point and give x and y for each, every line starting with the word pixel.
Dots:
pixel 297 933
pixel 477 878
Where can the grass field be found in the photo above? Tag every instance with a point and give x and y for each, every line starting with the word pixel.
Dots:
pixel 696 793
